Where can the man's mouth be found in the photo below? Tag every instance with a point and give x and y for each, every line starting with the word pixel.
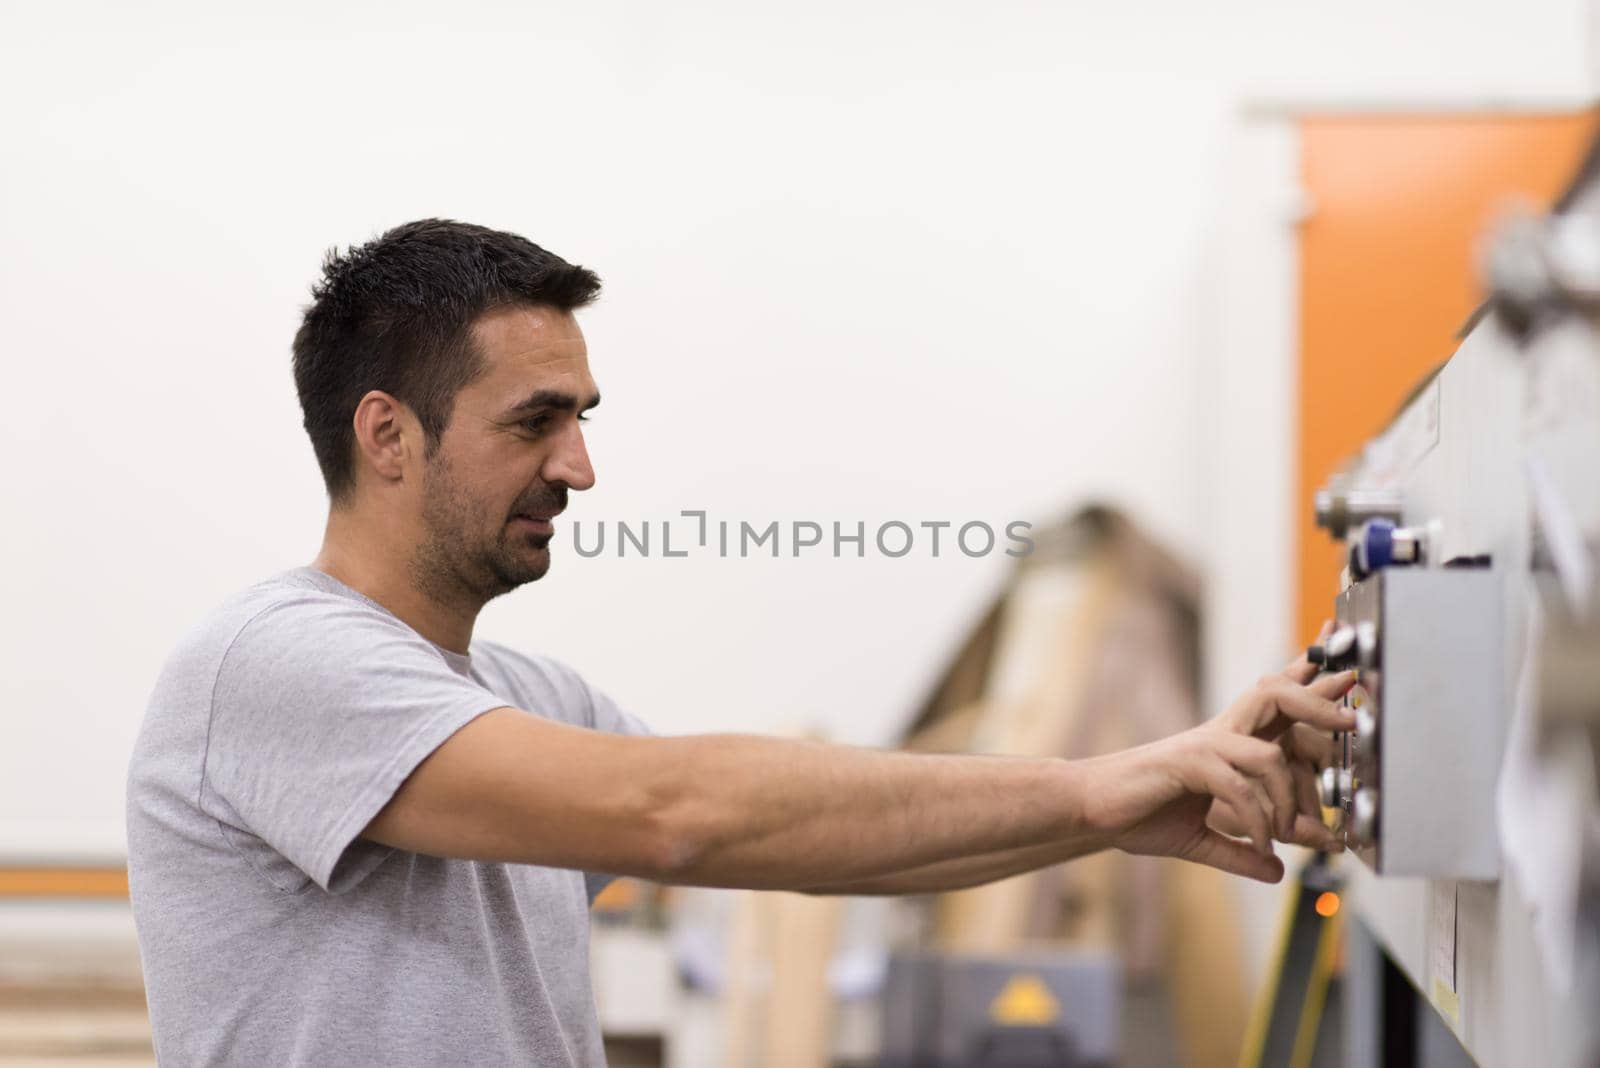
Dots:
pixel 536 523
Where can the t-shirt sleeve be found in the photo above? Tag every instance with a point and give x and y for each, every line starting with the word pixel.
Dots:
pixel 610 717
pixel 322 708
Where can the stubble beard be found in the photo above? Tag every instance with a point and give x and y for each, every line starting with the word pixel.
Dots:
pixel 454 564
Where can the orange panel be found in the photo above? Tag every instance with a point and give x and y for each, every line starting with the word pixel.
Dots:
pixel 63 882
pixel 1388 274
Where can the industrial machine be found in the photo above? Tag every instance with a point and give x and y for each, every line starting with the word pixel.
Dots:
pixel 1470 606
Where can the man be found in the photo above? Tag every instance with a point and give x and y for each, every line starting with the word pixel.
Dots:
pixel 358 836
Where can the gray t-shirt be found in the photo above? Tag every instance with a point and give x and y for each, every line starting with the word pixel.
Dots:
pixel 270 932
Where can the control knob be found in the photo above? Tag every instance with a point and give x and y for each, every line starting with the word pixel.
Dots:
pixel 1364 816
pixel 1366 738
pixel 1379 544
pixel 1334 784
pixel 1335 651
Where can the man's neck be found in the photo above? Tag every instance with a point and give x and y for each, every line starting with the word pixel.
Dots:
pixel 381 571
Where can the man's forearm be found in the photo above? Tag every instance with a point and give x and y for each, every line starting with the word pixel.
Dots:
pixel 761 813
pixel 962 872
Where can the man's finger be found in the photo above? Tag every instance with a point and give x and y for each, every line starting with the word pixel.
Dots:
pixel 1314 834
pixel 1314 704
pixel 1301 671
pixel 1265 763
pixel 1306 791
pixel 1223 818
pixel 1305 743
pixel 1220 779
pixel 1235 857
pixel 1279 808
pixel 1335 685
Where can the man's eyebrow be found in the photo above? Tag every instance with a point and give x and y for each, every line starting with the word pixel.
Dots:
pixel 553 398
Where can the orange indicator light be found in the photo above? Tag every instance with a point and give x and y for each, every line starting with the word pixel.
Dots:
pixel 1327 904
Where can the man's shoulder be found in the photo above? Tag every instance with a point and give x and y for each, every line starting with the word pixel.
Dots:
pixel 185 687
pixel 284 608
pixel 284 600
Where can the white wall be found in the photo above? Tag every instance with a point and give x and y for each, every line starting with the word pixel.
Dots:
pixel 865 262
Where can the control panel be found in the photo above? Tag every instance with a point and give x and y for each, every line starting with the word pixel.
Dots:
pixel 1414 783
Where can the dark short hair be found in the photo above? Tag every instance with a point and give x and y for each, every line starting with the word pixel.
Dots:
pixel 396 314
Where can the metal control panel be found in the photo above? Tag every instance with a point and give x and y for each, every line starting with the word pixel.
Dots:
pixel 1415 782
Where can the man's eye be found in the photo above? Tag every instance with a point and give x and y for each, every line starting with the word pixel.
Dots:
pixel 538 424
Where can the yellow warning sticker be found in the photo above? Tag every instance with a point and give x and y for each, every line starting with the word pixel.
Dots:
pixel 1024 1001
pixel 1448 1002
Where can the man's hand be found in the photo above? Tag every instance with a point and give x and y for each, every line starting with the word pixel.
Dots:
pixel 1248 772
pixel 1307 750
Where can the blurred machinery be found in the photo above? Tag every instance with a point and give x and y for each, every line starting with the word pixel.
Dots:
pixel 1471 608
pixel 1093 645
pixel 1038 1009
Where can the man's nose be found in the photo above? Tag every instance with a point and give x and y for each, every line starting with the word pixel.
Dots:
pixel 569 462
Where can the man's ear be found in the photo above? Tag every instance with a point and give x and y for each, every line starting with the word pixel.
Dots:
pixel 384 432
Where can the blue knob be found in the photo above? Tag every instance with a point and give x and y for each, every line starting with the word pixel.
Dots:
pixel 1373 549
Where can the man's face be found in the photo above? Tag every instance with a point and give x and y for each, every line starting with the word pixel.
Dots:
pixel 511 451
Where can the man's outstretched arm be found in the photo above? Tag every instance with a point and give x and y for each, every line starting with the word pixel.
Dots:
pixel 762 813
pixel 1305 748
